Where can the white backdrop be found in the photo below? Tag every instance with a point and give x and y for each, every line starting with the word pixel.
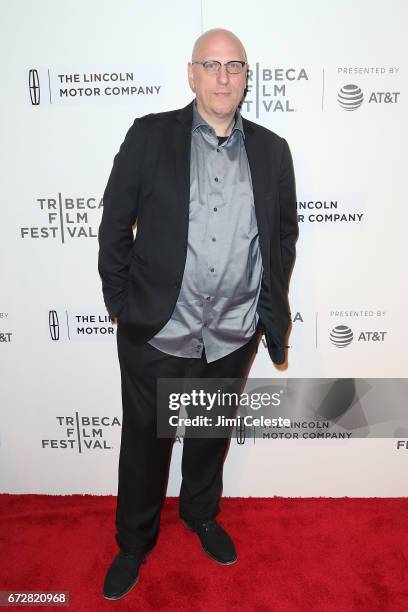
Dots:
pixel 61 128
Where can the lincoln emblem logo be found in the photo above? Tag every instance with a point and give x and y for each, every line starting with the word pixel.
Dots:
pixel 34 85
pixel 53 324
pixel 240 431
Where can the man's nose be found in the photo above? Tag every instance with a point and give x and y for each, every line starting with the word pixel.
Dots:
pixel 222 75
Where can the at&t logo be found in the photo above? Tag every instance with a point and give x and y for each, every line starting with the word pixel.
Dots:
pixel 342 335
pixel 351 97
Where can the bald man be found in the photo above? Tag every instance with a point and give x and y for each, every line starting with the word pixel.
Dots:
pixel 207 274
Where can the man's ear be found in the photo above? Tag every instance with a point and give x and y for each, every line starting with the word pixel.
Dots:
pixel 190 76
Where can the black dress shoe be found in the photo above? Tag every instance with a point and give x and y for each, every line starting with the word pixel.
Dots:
pixel 123 574
pixel 215 541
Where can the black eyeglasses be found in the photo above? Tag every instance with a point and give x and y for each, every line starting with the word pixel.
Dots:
pixel 213 66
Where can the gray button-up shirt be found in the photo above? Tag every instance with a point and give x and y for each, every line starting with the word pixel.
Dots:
pixel 216 307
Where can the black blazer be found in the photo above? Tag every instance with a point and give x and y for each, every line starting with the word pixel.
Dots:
pixel 150 183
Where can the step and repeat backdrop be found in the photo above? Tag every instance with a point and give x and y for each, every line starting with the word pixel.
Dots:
pixel 329 77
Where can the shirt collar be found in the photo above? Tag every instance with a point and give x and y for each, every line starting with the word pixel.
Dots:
pixel 198 121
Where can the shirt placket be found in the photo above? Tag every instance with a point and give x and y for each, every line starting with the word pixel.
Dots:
pixel 216 210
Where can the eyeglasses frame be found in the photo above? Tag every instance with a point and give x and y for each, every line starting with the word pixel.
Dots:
pixel 243 64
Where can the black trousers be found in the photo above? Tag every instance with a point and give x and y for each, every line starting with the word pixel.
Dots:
pixel 144 458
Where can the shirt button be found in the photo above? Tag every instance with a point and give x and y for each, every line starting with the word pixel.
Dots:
pixel 211 269
pixel 213 239
pixel 218 150
pixel 208 298
pixel 216 179
pixel 215 209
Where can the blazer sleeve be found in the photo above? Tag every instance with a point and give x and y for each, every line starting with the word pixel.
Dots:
pixel 288 214
pixel 120 209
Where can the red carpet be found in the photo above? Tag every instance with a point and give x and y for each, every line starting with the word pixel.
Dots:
pixel 294 555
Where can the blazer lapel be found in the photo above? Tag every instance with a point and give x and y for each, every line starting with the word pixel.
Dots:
pixel 182 148
pixel 256 159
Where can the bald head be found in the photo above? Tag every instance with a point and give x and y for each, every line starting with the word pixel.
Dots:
pixel 214 39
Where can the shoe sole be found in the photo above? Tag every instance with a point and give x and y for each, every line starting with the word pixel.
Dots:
pixel 206 551
pixel 114 598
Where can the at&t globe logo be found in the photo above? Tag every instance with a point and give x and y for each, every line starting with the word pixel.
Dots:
pixel 350 97
pixel 341 336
